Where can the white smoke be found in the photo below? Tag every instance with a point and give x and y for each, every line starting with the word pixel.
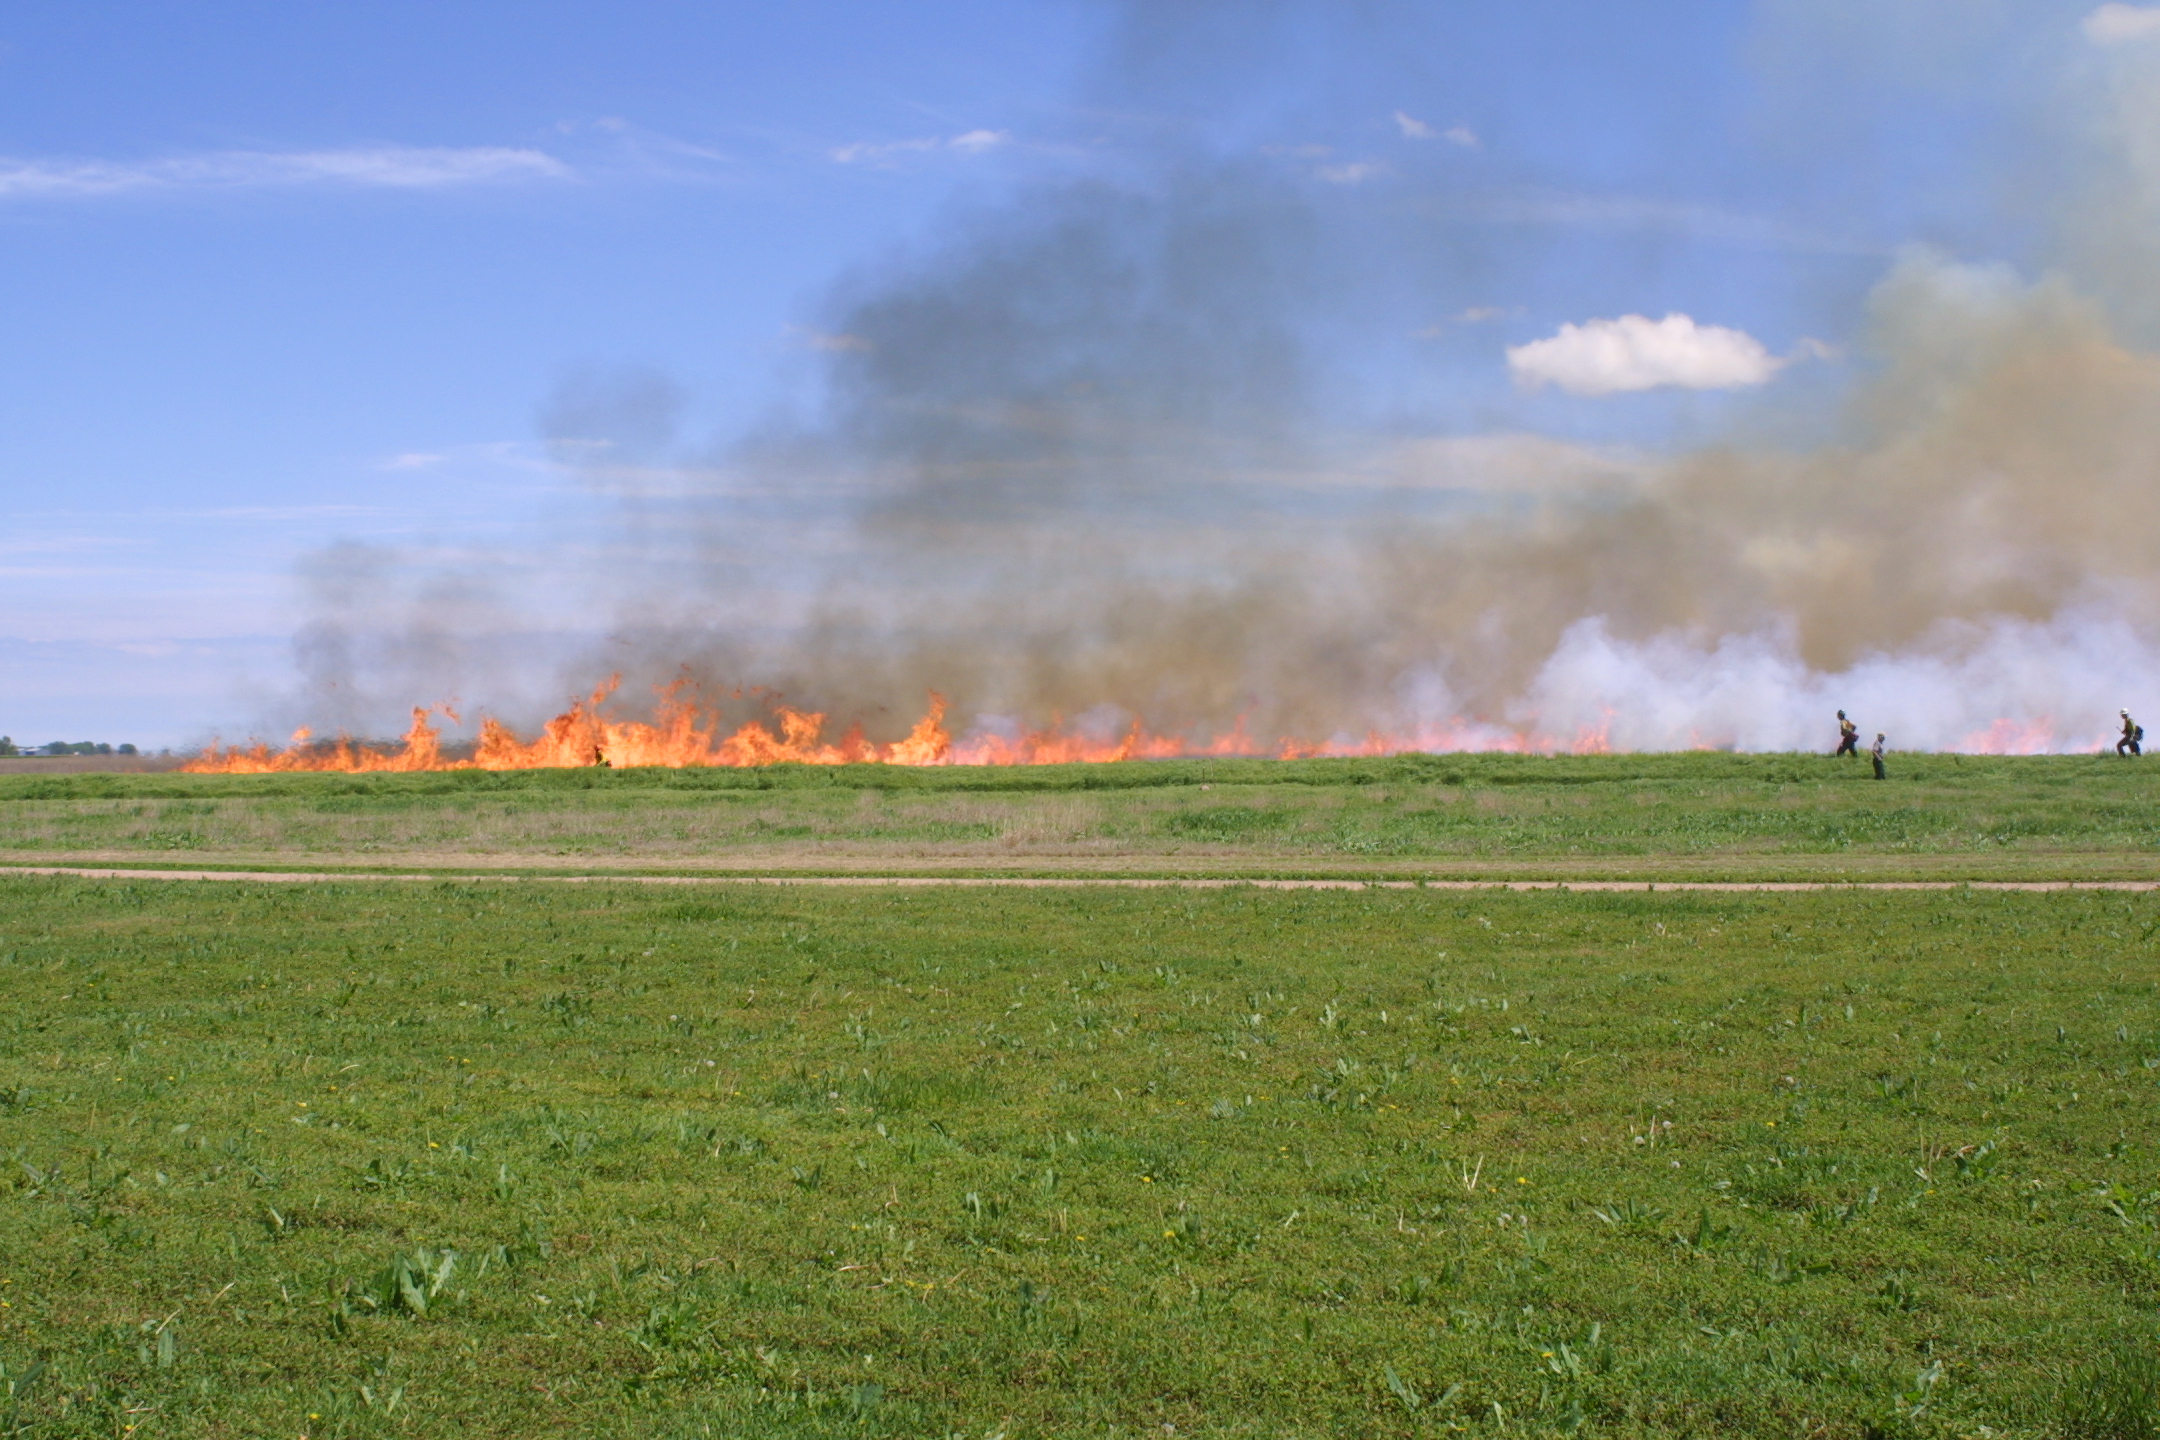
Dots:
pixel 1996 687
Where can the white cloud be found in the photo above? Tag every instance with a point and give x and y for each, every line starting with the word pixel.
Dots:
pixel 652 151
pixel 2114 23
pixel 1634 352
pixel 507 454
pixel 1416 129
pixel 865 152
pixel 1356 172
pixel 389 166
pixel 1475 315
pixel 1691 218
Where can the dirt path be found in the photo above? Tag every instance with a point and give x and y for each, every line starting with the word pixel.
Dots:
pixel 1023 882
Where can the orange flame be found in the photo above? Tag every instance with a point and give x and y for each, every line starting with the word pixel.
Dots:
pixel 684 733
pixel 422 750
pixel 2011 737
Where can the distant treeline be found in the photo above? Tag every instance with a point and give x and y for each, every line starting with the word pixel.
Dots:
pixel 10 750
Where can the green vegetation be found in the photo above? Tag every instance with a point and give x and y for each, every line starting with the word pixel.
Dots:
pixel 1703 815
pixel 360 1160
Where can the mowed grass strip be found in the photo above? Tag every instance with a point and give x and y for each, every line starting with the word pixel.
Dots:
pixel 358 1160
pixel 1706 815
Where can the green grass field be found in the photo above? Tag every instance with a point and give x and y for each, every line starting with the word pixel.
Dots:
pixel 481 1159
pixel 1706 816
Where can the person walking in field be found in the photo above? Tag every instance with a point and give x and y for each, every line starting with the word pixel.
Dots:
pixel 2133 737
pixel 1848 738
pixel 1876 756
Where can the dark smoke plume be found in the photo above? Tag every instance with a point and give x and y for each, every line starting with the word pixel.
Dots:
pixel 1096 453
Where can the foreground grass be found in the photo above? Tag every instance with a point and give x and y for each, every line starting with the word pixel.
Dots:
pixel 370 1160
pixel 1709 815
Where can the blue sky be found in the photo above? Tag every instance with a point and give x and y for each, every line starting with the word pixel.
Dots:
pixel 283 278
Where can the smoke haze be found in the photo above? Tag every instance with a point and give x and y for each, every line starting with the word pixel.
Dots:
pixel 1136 443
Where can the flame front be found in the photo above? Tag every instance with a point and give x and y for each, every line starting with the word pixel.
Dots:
pixel 682 733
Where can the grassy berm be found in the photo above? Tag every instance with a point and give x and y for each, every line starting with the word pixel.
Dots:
pixel 518 1159
pixel 1705 816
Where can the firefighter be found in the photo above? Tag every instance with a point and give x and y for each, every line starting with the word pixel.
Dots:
pixel 2133 737
pixel 1876 756
pixel 1848 738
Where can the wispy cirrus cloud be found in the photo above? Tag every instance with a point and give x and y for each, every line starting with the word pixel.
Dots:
pixel 2116 23
pixel 394 167
pixel 1475 315
pixel 1355 172
pixel 1413 128
pixel 510 454
pixel 972 142
pixel 1701 220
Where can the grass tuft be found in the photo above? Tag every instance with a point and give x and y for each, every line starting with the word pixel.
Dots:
pixel 2116 1396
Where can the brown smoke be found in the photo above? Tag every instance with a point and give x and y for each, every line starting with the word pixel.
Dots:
pixel 1996 466
pixel 1081 452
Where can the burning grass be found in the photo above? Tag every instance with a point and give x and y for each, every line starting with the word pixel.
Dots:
pixel 362 1160
pixel 684 733
pixel 688 732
